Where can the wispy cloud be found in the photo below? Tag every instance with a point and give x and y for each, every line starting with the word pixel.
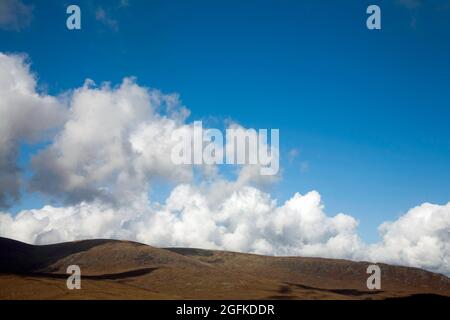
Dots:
pixel 410 4
pixel 304 166
pixel 15 15
pixel 104 17
pixel 124 3
pixel 293 154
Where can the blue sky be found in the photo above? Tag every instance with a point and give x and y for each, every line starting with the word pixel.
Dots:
pixel 368 110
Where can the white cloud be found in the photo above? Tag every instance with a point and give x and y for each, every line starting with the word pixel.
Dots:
pixel 15 15
pixel 25 115
pixel 245 219
pixel 420 238
pixel 113 143
pixel 50 224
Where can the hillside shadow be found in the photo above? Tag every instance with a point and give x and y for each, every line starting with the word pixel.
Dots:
pixel 347 292
pixel 19 257
pixel 108 276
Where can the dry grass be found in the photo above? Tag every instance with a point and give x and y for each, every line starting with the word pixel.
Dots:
pixel 128 270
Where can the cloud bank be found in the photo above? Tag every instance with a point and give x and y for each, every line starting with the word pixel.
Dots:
pixel 112 145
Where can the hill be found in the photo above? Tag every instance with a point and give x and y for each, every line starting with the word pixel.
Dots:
pixel 113 269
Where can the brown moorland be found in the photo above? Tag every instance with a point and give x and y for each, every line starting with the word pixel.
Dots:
pixel 113 269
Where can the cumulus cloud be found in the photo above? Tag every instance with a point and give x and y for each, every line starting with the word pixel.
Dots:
pixel 25 116
pixel 114 143
pixel 245 219
pixel 420 238
pixel 15 15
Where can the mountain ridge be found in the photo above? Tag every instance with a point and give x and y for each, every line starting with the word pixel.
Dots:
pixel 116 269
